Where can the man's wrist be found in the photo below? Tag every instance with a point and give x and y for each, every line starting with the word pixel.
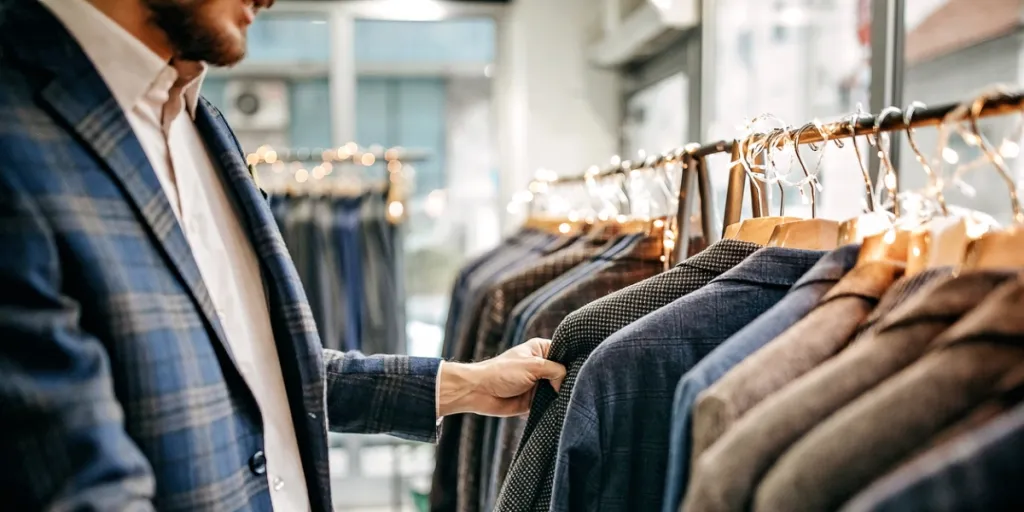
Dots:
pixel 457 388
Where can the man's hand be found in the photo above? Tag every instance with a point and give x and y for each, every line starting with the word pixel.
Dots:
pixel 502 386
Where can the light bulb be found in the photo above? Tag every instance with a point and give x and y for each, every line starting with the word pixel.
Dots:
pixel 1009 149
pixel 368 159
pixel 301 175
pixel 563 228
pixel 270 156
pixel 396 209
pixel 950 156
pixel 890 181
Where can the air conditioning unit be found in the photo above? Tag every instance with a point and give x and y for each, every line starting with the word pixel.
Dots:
pixel 644 31
pixel 257 104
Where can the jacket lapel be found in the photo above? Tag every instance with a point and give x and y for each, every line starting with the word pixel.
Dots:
pixel 77 95
pixel 298 345
pixel 283 286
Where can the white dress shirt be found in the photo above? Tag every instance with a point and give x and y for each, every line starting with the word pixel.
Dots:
pixel 159 101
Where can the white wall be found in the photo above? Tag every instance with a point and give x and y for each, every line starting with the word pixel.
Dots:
pixel 555 111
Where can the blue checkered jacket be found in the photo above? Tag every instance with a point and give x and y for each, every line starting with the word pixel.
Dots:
pixel 117 387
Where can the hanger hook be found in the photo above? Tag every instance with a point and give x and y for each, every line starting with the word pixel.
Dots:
pixel 770 146
pixel 807 174
pixel 936 184
pixel 977 106
pixel 660 165
pixel 869 188
pixel 764 146
pixel 890 179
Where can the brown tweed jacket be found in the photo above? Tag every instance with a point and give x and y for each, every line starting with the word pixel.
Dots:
pixel 963 368
pixel 727 475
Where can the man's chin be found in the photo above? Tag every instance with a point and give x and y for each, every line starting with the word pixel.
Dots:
pixel 224 52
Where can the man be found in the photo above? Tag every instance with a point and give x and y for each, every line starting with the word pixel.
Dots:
pixel 156 348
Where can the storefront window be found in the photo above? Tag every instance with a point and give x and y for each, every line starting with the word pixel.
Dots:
pixel 797 60
pixel 426 86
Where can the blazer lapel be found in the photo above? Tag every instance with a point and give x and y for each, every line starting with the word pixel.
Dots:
pixel 284 288
pixel 298 345
pixel 77 95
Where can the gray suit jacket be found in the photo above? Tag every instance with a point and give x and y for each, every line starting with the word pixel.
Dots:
pixel 727 475
pixel 963 368
pixel 815 338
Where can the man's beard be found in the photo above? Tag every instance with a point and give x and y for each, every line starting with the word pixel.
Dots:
pixel 192 36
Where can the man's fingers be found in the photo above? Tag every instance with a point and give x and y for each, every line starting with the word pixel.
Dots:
pixel 551 371
pixel 542 344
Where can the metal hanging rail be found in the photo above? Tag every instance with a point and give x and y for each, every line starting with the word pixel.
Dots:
pixel 865 125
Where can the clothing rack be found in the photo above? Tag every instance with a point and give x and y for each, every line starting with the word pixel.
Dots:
pixel 315 171
pixel 692 158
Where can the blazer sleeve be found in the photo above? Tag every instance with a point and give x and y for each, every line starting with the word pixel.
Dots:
pixel 62 437
pixel 382 394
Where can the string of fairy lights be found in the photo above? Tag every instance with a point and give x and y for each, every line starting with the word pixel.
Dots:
pixel 308 167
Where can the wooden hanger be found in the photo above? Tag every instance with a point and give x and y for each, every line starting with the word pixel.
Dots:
pixel 856 229
pixel 555 225
pixel 757 230
pixel 888 246
pixel 812 234
pixel 1003 248
pixel 892 243
pixel 941 240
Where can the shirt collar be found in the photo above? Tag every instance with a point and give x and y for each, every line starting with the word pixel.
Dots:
pixel 129 68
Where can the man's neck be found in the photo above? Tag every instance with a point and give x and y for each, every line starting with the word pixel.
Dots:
pixel 135 18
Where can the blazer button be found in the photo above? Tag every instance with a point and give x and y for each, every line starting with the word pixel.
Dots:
pixel 258 463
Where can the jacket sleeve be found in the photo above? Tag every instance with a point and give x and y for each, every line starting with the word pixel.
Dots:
pixel 62 438
pixel 394 395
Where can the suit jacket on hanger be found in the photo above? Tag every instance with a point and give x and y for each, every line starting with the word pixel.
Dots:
pixel 820 335
pixel 963 368
pixel 533 317
pixel 501 299
pixel 726 476
pixel 613 448
pixel 578 335
pixel 802 298
pixel 974 469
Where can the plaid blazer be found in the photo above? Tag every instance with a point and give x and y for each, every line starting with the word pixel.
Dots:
pixel 118 386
